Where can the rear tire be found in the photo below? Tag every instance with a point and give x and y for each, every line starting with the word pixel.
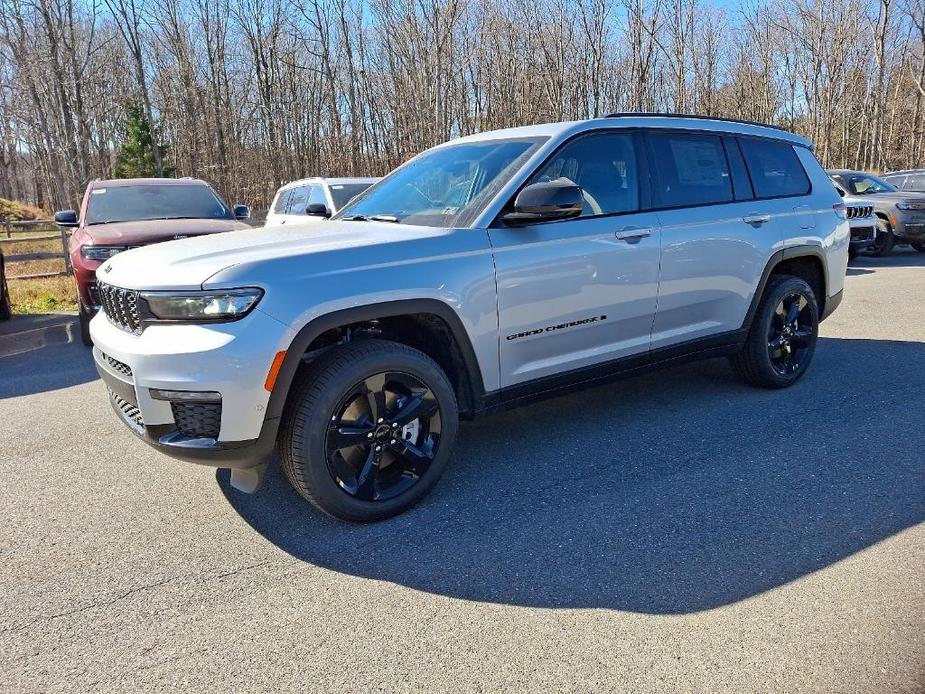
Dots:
pixel 368 430
pixel 782 338
pixel 884 242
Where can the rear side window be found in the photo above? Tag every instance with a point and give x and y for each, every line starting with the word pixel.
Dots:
pixel 690 169
pixel 914 182
pixel 775 168
pixel 282 202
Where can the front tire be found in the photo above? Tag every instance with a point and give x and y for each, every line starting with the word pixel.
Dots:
pixel 918 246
pixel 884 241
pixel 782 338
pixel 6 308
pixel 84 317
pixel 368 430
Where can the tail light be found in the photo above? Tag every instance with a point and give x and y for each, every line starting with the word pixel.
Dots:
pixel 840 210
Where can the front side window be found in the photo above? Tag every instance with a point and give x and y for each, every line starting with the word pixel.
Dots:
pixel 690 169
pixel 444 187
pixel 774 167
pixel 298 199
pixel 604 166
pixel 135 203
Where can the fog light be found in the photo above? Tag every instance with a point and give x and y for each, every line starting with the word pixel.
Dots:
pixel 185 395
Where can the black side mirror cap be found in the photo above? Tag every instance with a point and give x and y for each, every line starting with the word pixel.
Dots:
pixel 545 202
pixel 242 212
pixel 66 218
pixel 318 209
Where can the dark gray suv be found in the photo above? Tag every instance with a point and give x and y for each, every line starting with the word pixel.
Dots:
pixel 900 214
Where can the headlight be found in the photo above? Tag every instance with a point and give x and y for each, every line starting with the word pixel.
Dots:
pixel 218 305
pixel 911 205
pixel 101 253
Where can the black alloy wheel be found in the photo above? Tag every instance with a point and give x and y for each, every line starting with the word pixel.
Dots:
pixel 782 338
pixel 368 429
pixel 383 436
pixel 791 334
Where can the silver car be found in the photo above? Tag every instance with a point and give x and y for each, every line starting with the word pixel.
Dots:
pixel 481 274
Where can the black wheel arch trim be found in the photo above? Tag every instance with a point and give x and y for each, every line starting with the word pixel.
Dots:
pixel 358 314
pixel 826 303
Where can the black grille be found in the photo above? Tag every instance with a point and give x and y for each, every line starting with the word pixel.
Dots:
pixel 118 366
pixel 120 306
pixel 198 419
pixel 862 233
pixel 859 211
pixel 94 294
pixel 129 411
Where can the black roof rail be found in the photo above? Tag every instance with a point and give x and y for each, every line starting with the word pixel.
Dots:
pixel 668 114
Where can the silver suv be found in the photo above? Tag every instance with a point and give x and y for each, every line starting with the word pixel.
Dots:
pixel 481 274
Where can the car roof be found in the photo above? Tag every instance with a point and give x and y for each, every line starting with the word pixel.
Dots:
pixel 123 182
pixel 641 120
pixel 329 181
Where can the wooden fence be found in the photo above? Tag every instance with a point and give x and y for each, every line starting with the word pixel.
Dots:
pixel 24 231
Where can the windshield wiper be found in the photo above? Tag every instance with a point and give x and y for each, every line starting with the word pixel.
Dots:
pixel 355 218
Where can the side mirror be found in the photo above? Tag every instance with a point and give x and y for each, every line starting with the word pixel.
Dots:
pixel 242 212
pixel 66 218
pixel 546 202
pixel 318 209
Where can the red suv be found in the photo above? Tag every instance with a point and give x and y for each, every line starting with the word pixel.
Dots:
pixel 125 213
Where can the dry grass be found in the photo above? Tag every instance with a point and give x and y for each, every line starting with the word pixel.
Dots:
pixel 49 294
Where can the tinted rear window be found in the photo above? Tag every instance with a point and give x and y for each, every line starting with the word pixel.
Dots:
pixel 152 201
pixel 775 168
pixel 690 169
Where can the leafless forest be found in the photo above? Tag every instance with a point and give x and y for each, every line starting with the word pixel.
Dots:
pixel 251 93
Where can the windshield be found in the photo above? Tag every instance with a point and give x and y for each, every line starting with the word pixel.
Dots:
pixel 342 193
pixel 152 201
pixel 863 184
pixel 443 186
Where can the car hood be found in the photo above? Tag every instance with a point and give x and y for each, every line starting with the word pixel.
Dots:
pixel 329 246
pixel 155 230
pixel 887 198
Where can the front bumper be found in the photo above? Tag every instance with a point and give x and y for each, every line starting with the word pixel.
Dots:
pixel 231 359
pixel 863 233
pixel 910 225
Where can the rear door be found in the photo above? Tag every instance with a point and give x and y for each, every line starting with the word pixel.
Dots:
pixel 716 236
pixel 578 292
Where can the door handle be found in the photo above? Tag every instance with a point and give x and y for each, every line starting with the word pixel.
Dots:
pixel 756 219
pixel 633 233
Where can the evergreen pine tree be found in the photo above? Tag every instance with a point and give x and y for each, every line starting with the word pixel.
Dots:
pixel 136 157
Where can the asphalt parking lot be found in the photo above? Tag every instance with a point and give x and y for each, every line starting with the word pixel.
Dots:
pixel 674 532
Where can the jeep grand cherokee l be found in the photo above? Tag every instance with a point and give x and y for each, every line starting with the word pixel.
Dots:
pixel 482 273
pixel 130 212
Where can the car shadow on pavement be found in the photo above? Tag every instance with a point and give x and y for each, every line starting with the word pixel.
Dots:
pixel 668 493
pixel 39 353
pixel 902 256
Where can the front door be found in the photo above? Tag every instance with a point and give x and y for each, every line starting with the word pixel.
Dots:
pixel 583 291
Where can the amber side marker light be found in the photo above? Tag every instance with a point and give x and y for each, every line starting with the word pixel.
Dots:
pixel 274 371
